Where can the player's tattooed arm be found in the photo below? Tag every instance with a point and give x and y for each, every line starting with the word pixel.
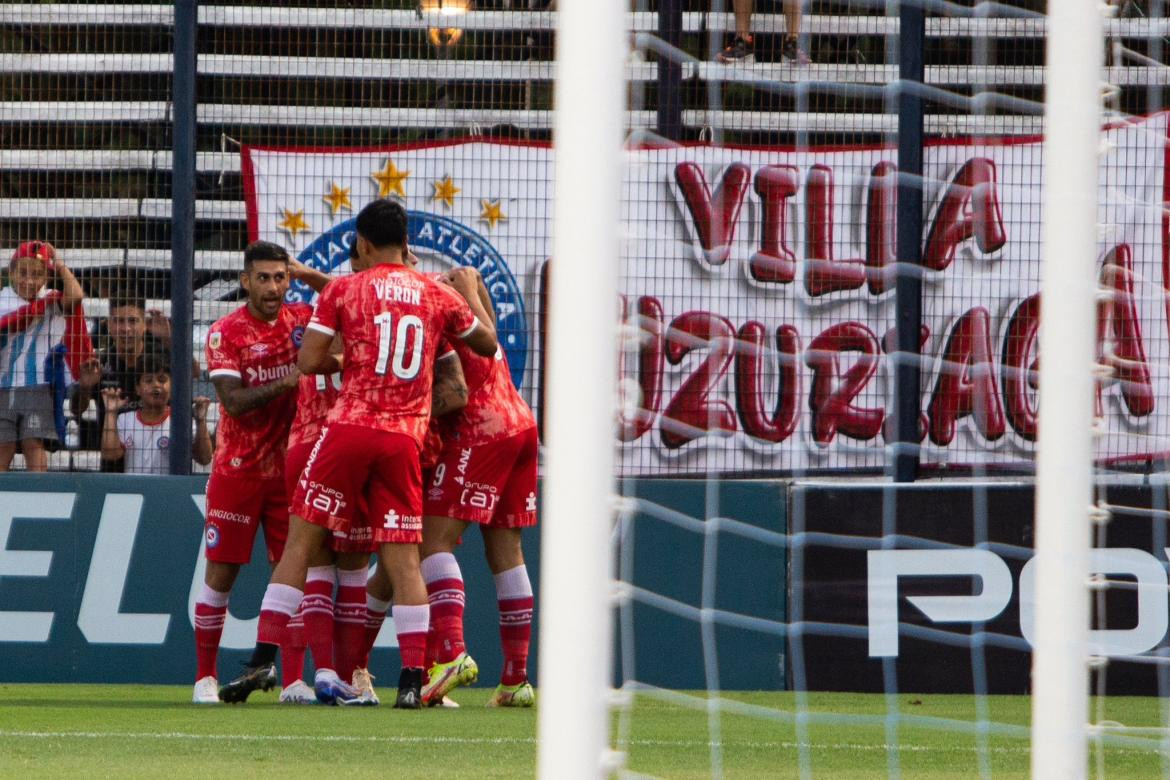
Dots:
pixel 238 400
pixel 310 276
pixel 449 391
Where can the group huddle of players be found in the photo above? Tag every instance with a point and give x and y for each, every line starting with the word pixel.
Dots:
pixel 336 419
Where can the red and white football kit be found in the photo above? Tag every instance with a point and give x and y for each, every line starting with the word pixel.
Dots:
pixel 316 395
pixel 486 472
pixel 392 319
pixel 246 488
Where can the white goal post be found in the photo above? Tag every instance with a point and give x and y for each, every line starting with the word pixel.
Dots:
pixel 575 609
pixel 1064 473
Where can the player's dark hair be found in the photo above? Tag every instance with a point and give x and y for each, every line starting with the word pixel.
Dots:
pixel 383 223
pixel 263 250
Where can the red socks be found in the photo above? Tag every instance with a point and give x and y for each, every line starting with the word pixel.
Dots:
pixel 349 621
pixel 318 610
pixel 445 595
pixel 514 594
pixel 279 604
pixel 292 651
pixel 210 613
pixel 411 624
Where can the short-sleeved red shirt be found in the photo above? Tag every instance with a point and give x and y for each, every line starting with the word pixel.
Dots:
pixel 391 319
pixel 257 352
pixel 495 409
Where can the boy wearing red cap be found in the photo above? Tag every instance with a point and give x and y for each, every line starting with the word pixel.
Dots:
pixel 32 322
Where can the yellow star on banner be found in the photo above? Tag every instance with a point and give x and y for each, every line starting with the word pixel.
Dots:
pixel 293 223
pixel 337 198
pixel 492 213
pixel 445 191
pixel 390 180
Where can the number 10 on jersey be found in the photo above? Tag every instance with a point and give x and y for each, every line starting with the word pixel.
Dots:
pixel 407 339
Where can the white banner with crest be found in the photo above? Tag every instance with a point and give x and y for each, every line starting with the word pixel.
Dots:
pixel 760 284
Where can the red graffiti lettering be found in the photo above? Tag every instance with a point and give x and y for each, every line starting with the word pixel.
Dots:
pixel 714 218
pixel 651 351
pixel 823 274
pixel 775 262
pixel 973 187
pixel 833 393
pixel 966 381
pixel 753 370
pixel 1119 334
pixel 692 412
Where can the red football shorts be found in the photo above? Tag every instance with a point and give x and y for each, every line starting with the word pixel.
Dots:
pixel 360 538
pixel 352 467
pixel 493 484
pixel 236 507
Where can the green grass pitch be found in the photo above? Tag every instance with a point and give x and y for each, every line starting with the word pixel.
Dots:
pixel 151 731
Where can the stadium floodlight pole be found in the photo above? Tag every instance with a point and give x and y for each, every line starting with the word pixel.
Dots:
pixel 575 667
pixel 1068 322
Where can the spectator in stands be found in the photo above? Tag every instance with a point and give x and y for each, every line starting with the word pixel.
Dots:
pixel 33 322
pixel 142 438
pixel 133 337
pixel 741 48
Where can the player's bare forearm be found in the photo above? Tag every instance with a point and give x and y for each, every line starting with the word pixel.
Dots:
pixel 111 445
pixel 485 301
pixel 201 447
pixel 239 400
pixel 316 355
pixel 449 391
pixel 310 276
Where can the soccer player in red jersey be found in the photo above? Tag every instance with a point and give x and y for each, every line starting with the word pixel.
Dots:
pixel 391 319
pixel 251 357
pixel 485 474
pixel 336 628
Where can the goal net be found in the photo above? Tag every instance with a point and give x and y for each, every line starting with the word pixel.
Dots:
pixel 843 525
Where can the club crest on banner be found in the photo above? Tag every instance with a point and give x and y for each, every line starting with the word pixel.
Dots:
pixel 439 242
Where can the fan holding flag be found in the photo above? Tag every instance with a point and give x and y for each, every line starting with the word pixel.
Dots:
pixel 42 338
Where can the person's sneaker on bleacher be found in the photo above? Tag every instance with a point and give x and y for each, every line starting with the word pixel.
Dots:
pixel 739 50
pixel 253 678
pixel 791 52
pixel 206 691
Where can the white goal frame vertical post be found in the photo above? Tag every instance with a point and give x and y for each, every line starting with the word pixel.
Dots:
pixel 576 632
pixel 1068 317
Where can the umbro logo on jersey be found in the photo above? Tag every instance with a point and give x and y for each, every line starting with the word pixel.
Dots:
pixel 259 349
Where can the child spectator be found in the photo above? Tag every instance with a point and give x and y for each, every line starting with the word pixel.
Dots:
pixel 34 320
pixel 142 437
